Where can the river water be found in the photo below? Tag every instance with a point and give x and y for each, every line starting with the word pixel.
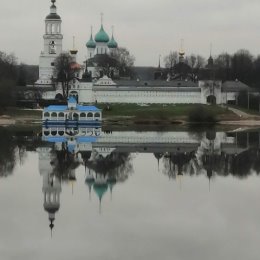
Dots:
pixel 93 194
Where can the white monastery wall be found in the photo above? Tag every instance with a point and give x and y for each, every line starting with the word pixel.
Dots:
pixel 112 95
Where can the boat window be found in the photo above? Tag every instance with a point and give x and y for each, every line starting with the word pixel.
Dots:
pixel 54 114
pixel 61 133
pixel 46 114
pixel 75 116
pixel 61 114
pixel 53 133
pixel 46 133
pixel 97 115
pixel 82 115
pixel 90 115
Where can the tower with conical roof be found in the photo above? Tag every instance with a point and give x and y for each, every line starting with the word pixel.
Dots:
pixel 74 51
pixel 181 52
pixel 210 59
pixel 52 48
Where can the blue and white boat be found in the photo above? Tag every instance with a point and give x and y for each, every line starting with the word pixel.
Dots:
pixel 72 114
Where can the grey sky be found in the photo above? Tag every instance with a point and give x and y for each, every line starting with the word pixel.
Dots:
pixel 146 28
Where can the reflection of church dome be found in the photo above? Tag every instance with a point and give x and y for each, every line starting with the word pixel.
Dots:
pixel 90 181
pixel 51 208
pixel 100 189
pixel 85 155
pixel 102 36
pixel 111 181
pixel 211 135
pixel 158 156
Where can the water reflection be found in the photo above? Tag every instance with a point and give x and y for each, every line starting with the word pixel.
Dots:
pixel 107 157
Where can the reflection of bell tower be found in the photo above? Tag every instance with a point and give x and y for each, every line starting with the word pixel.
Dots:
pixel 51 184
pixel 51 190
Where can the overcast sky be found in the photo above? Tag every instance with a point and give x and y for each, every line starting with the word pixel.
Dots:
pixel 146 28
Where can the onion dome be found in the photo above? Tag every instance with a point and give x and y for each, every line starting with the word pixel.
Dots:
pixel 112 44
pixel 53 12
pixel 91 43
pixel 102 36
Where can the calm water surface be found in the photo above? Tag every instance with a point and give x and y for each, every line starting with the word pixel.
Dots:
pixel 88 194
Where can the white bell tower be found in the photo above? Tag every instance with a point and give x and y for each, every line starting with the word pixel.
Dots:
pixel 52 47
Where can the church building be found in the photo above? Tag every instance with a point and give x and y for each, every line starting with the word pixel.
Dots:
pixel 96 82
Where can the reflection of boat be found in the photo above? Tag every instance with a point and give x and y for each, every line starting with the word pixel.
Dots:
pixel 67 132
pixel 71 115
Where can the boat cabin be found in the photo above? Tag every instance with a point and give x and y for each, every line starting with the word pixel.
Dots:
pixel 72 113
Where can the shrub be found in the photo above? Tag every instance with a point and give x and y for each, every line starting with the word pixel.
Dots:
pixel 202 114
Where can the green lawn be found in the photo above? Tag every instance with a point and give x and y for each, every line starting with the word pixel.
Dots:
pixel 159 111
pixel 121 113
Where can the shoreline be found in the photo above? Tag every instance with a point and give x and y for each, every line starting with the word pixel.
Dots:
pixel 131 122
pixel 131 116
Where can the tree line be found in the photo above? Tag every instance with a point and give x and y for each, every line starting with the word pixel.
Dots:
pixel 13 76
pixel 241 65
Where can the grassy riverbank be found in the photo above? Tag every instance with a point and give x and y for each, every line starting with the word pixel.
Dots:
pixel 162 113
pixel 129 114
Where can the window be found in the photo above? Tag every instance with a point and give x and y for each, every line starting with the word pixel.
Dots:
pixel 75 116
pixel 46 114
pixel 54 114
pixel 82 115
pixel 61 133
pixel 90 115
pixel 53 133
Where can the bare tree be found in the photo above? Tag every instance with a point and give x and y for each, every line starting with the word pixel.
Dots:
pixel 192 60
pixel 8 77
pixel 125 60
pixel 171 59
pixel 201 62
pixel 64 72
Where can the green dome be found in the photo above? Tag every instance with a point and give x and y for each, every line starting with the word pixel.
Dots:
pixel 102 36
pixel 91 43
pixel 112 44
